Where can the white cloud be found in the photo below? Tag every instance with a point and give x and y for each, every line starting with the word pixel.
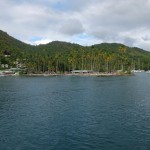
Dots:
pixel 68 20
pixel 42 41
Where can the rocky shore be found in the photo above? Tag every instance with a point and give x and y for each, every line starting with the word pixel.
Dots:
pixel 81 74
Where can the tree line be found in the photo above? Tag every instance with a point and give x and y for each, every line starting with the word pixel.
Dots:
pixel 81 59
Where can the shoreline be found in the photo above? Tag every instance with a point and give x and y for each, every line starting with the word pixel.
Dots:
pixel 96 74
pixel 79 74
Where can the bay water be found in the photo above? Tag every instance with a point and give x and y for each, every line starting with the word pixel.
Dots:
pixel 75 113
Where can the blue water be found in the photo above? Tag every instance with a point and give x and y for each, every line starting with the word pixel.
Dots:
pixel 75 113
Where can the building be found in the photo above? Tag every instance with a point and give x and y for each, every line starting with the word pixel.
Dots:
pixel 81 71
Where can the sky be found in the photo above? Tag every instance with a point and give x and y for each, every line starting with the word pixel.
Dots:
pixel 85 22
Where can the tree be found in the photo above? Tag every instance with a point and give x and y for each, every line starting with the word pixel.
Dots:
pixel 122 50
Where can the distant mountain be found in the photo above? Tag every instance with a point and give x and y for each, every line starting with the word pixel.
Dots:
pixel 58 46
pixel 8 42
pixel 113 47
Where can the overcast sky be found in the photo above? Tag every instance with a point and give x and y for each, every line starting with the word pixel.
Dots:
pixel 85 22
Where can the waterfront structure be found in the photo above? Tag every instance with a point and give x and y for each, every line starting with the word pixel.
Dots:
pixel 81 71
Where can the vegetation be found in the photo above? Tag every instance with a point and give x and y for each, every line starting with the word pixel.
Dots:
pixel 63 57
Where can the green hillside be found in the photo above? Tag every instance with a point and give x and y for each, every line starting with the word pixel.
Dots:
pixel 60 56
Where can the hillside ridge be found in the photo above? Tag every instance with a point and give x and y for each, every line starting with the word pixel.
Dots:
pixel 61 56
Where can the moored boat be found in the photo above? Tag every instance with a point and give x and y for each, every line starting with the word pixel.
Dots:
pixel 148 71
pixel 7 73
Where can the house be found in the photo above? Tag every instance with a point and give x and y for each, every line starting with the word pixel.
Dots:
pixel 7 53
pixel 81 71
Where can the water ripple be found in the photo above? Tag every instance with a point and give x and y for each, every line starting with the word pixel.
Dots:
pixel 73 113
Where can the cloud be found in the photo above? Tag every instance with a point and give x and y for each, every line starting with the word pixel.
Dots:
pixel 72 27
pixel 101 21
pixel 40 41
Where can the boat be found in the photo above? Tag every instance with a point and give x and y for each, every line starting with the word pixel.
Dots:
pixel 137 71
pixel 148 71
pixel 2 75
pixel 7 73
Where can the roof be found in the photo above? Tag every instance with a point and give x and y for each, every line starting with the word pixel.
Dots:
pixel 81 71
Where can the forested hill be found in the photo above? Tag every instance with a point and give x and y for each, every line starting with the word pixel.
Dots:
pixel 113 47
pixel 64 56
pixel 9 43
